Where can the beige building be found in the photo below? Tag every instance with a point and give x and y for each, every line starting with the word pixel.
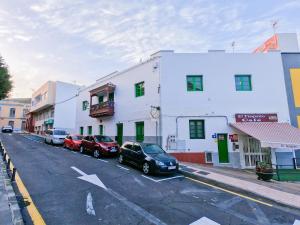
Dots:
pixel 13 112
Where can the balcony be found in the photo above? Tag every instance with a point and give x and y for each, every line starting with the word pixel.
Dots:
pixel 102 101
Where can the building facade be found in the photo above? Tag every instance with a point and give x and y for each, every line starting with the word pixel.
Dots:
pixel 13 112
pixel 53 105
pixel 191 108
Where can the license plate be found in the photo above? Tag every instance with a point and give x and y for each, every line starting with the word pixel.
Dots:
pixel 172 167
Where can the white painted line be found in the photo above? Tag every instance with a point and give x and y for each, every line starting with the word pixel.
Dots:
pixel 78 171
pixel 86 156
pixel 169 178
pixel 74 152
pixel 204 221
pixel 149 178
pixel 89 205
pixel 297 222
pixel 121 167
pixel 103 160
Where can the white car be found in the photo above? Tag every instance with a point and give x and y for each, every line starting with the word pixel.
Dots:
pixel 7 129
pixel 55 136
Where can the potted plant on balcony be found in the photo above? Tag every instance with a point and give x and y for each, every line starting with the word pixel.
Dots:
pixel 264 171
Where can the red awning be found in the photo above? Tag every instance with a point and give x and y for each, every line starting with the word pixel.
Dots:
pixel 274 135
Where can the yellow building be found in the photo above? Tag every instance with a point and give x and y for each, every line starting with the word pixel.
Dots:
pixel 13 112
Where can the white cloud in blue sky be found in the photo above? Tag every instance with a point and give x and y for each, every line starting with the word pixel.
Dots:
pixel 82 40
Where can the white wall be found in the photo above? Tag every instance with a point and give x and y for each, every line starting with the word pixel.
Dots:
pixel 219 97
pixel 128 108
pixel 65 108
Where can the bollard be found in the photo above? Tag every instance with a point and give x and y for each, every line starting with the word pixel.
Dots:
pixel 8 164
pixel 13 176
pixel 4 157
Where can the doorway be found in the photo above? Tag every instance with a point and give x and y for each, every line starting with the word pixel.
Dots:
pixel 223 148
pixel 120 133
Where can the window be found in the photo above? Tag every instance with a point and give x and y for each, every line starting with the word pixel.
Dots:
pixel 101 129
pixel 194 82
pixel 243 83
pixel 90 130
pixel 81 129
pixel 139 89
pixel 111 97
pixel 139 131
pixel 12 112
pixel 208 157
pixel 84 105
pixel 197 129
pixel 100 99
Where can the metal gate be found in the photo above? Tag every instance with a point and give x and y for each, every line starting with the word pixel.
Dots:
pixel 254 153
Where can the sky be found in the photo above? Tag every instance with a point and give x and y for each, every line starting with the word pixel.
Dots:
pixel 79 41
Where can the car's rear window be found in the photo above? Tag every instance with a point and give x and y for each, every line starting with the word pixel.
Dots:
pixel 152 149
pixel 60 132
pixel 77 137
pixel 103 138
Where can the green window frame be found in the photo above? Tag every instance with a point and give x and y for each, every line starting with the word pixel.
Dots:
pixel 194 82
pixel 101 129
pixel 90 130
pixel 243 82
pixel 81 130
pixel 100 99
pixel 84 105
pixel 197 129
pixel 111 96
pixel 139 131
pixel 140 89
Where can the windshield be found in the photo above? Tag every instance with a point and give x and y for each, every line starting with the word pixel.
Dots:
pixel 59 132
pixel 77 138
pixel 152 149
pixel 103 139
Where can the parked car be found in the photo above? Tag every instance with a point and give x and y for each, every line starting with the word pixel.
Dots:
pixel 7 129
pixel 55 136
pixel 99 146
pixel 73 142
pixel 150 157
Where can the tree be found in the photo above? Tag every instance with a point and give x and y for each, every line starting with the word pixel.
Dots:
pixel 5 80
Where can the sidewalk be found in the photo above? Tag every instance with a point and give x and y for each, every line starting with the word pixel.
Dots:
pixel 285 193
pixel 5 213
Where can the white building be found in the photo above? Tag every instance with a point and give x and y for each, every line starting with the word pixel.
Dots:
pixel 189 103
pixel 53 105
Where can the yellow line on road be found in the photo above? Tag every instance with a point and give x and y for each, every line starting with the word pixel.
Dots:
pixel 231 192
pixel 35 215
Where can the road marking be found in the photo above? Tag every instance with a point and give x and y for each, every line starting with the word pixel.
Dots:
pixel 204 221
pixel 231 192
pixel 149 178
pixel 89 205
pixel 121 167
pixel 93 179
pixel 259 214
pixel 297 222
pixel 103 160
pixel 35 215
pixel 159 180
pixel 87 156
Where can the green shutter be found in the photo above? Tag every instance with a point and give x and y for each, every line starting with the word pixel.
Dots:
pixel 197 130
pixel 101 130
pixel 100 99
pixel 139 128
pixel 243 83
pixel 90 130
pixel 194 82
pixel 81 130
pixel 84 105
pixel 111 97
pixel 139 89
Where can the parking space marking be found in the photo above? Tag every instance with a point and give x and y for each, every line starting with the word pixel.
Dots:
pixel 204 221
pixel 87 156
pixel 149 178
pixel 103 160
pixel 231 192
pixel 164 179
pixel 121 167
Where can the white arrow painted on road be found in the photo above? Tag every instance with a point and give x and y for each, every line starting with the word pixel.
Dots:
pixel 204 221
pixel 297 222
pixel 89 205
pixel 89 178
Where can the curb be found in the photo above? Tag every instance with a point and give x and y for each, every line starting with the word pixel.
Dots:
pixel 235 189
pixel 15 210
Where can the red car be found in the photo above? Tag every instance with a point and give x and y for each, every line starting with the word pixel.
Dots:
pixel 73 142
pixel 99 146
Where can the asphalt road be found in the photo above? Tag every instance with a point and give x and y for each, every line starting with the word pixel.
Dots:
pixel 56 179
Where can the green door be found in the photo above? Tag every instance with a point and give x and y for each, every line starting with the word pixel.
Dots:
pixel 223 148
pixel 139 131
pixel 120 133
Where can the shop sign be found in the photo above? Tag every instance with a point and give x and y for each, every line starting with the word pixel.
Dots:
pixel 49 121
pixel 256 117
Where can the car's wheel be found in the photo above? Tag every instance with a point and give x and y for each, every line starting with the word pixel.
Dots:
pixel 45 141
pixel 96 153
pixel 81 149
pixel 121 159
pixel 51 142
pixel 64 145
pixel 146 168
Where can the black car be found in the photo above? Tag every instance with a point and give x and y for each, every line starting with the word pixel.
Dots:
pixel 150 157
pixel 7 129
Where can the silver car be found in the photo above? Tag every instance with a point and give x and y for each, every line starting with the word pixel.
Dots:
pixel 55 136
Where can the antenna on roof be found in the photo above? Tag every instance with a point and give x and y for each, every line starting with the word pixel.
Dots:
pixel 233 45
pixel 274 26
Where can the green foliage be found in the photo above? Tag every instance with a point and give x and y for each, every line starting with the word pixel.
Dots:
pixel 5 81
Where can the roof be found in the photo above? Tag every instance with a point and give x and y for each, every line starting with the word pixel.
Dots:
pixel 274 135
pixel 19 100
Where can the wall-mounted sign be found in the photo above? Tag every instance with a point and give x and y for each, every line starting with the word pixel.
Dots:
pixel 233 137
pixel 256 117
pixel 214 136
